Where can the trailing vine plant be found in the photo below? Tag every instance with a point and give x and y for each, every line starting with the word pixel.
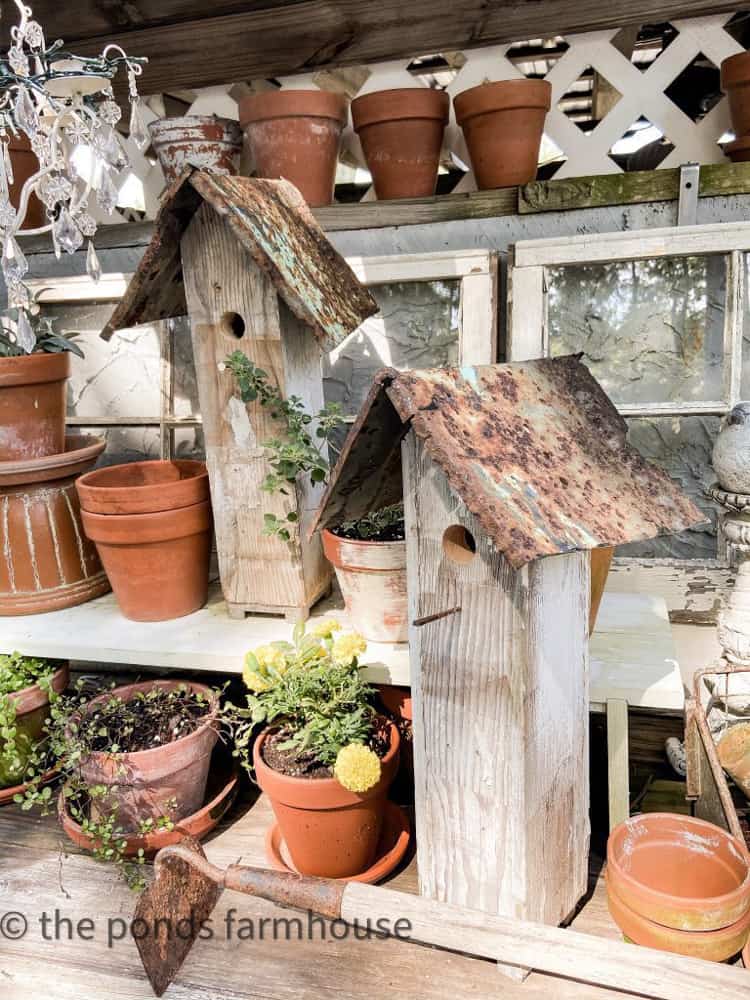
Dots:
pixel 19 755
pixel 298 450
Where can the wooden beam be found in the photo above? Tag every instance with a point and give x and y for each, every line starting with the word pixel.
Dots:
pixel 239 41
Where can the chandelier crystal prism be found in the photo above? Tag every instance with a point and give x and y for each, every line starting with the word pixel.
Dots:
pixel 64 105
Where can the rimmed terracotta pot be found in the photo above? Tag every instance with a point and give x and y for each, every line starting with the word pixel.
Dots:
pixel 712 946
pixel 735 82
pixel 32 711
pixel 372 578
pixel 679 872
pixel 503 123
pixel 25 164
pixel 296 134
pixel 32 405
pixel 401 132
pixel 734 754
pixel 49 563
pixel 157 563
pixel 328 830
pixel 207 142
pixel 169 780
pixel 144 487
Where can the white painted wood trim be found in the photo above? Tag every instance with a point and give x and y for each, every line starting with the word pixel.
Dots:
pixel 618 761
pixel 421 267
pixel 527 314
pixel 80 288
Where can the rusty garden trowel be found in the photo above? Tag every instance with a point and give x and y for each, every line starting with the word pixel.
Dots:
pixel 170 913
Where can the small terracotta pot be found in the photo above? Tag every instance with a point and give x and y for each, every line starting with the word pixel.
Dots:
pixel 503 123
pixel 372 578
pixel 734 753
pixel 25 164
pixel 49 563
pixel 735 81
pixel 207 142
pixel 739 150
pixel 397 700
pixel 679 872
pixel 401 132
pixel 32 708
pixel 712 946
pixel 329 831
pixel 32 405
pixel 296 134
pixel 144 487
pixel 143 784
pixel 157 563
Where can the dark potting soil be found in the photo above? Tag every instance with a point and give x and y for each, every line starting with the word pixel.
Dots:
pixel 393 533
pixel 297 764
pixel 149 720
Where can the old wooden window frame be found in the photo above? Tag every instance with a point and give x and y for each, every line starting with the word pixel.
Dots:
pixel 691 587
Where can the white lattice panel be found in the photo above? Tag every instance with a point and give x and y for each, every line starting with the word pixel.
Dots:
pixel 642 95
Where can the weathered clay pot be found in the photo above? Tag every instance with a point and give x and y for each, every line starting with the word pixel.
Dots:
pixel 397 700
pixel 503 123
pixel 144 487
pixel 329 831
pixel 401 132
pixel 48 562
pixel 208 142
pixel 32 711
pixel 157 563
pixel 372 578
pixel 734 753
pixel 601 559
pixel 679 872
pixel 712 946
pixel 25 165
pixel 735 82
pixel 144 783
pixel 738 151
pixel 32 405
pixel 296 134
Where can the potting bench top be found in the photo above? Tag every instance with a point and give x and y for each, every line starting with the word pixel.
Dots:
pixel 633 655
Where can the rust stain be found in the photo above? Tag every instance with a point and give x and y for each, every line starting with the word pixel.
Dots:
pixel 274 224
pixel 536 451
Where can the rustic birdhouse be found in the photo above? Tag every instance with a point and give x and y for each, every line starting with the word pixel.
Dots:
pixel 249 265
pixel 509 474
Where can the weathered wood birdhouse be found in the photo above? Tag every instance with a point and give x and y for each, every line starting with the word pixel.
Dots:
pixel 250 266
pixel 509 474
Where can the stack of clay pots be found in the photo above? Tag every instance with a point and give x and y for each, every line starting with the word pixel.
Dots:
pixel 152 525
pixel 679 884
pixel 46 562
pixel 735 81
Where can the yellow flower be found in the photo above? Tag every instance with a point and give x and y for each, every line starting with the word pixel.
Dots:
pixel 346 647
pixel 324 628
pixel 254 681
pixel 357 767
pixel 270 658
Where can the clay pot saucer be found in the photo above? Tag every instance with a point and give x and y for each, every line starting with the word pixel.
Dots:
pixel 81 451
pixel 221 791
pixel 6 794
pixel 394 841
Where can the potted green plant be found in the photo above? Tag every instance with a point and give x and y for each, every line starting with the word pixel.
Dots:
pixel 34 367
pixel 27 686
pixel 325 757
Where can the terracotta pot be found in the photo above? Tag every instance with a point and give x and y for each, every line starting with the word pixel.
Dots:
pixel 734 753
pixel 25 165
pixel 328 830
pixel 735 81
pixel 144 487
pixel 397 700
pixel 208 142
pixel 32 711
pixel 143 784
pixel 157 563
pixel 32 405
pixel 679 872
pixel 296 134
pixel 503 123
pixel 712 946
pixel 401 132
pixel 49 563
pixel 739 150
pixel 601 560
pixel 372 578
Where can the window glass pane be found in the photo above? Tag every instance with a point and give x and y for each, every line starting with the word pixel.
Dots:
pixel 184 382
pixel 187 442
pixel 417 327
pixel 125 444
pixel 745 381
pixel 651 331
pixel 682 447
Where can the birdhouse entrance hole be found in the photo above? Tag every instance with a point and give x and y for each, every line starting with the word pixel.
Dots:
pixel 233 324
pixel 459 545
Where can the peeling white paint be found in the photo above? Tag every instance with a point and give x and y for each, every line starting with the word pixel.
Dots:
pixel 242 430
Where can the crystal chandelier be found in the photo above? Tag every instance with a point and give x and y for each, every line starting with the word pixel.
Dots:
pixel 65 105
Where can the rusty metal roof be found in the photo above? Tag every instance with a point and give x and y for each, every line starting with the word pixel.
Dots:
pixel 272 221
pixel 535 450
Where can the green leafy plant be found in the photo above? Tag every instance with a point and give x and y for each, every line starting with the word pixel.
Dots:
pixel 384 525
pixel 19 754
pixel 46 339
pixel 299 450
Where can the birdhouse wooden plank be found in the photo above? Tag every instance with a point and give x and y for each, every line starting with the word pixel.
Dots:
pixel 509 475
pixel 255 274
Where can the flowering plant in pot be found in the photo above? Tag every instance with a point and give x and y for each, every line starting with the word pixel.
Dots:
pixel 325 757
pixel 133 759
